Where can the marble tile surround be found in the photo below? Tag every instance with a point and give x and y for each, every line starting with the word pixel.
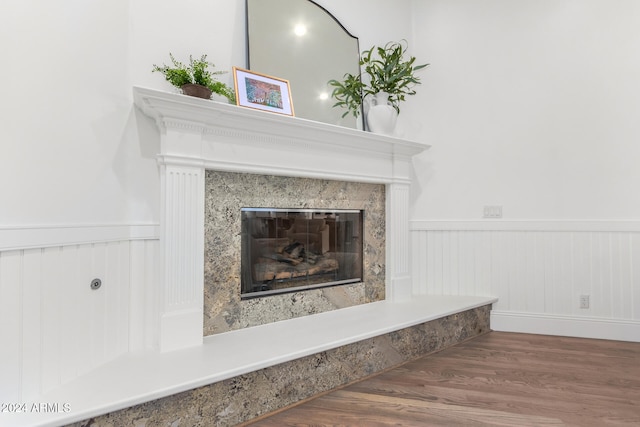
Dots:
pixel 248 396
pixel 226 193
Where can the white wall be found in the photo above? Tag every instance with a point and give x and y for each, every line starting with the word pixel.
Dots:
pixel 69 151
pixel 529 105
pixel 73 148
pixel 532 105
pixel 374 22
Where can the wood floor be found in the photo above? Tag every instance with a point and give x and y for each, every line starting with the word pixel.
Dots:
pixel 498 379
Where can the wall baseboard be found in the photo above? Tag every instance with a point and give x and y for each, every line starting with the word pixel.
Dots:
pixel 35 236
pixel 570 326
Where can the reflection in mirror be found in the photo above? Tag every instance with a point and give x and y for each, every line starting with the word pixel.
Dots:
pixel 300 41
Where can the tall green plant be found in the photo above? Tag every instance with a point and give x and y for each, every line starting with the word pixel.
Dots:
pixel 196 72
pixel 384 69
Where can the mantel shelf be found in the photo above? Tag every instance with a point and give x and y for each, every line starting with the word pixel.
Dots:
pixel 190 114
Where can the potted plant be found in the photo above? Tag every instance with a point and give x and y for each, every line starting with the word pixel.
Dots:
pixel 195 79
pixel 387 77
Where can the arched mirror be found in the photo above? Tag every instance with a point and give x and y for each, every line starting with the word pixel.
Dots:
pixel 302 42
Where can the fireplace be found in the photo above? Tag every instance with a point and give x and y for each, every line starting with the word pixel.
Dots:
pixel 282 201
pixel 287 250
pixel 199 136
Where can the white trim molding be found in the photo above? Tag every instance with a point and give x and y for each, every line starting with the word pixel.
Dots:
pixel 46 236
pixel 212 135
pixel 526 225
pixel 571 326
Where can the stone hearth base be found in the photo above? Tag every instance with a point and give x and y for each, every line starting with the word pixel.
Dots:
pixel 242 398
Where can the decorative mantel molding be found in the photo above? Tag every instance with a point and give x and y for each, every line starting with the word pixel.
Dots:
pixel 197 135
pixel 226 137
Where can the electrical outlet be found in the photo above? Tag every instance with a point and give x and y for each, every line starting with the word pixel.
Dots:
pixel 492 212
pixel 584 301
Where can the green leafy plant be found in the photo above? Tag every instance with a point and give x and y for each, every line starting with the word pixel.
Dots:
pixel 385 70
pixel 348 93
pixel 196 72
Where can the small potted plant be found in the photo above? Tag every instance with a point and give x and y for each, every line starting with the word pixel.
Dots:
pixel 387 78
pixel 195 79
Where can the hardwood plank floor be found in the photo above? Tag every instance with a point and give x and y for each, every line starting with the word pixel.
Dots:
pixel 498 379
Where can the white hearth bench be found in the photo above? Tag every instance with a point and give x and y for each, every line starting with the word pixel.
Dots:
pixel 139 378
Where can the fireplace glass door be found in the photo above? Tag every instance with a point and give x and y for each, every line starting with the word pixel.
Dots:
pixel 287 250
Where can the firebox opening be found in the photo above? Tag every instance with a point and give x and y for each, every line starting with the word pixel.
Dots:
pixel 288 250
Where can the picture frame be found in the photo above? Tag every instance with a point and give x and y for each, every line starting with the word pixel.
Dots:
pixel 262 92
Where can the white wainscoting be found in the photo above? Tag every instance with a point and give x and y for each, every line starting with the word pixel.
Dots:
pixel 54 327
pixel 538 270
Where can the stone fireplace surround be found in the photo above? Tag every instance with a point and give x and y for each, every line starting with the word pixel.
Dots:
pixel 227 192
pixel 198 136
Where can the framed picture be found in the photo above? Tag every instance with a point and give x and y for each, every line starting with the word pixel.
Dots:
pixel 255 90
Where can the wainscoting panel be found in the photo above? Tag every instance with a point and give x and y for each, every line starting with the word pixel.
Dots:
pixel 55 327
pixel 538 269
pixel 143 317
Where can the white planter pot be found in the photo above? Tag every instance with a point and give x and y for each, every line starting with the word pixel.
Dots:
pixel 380 114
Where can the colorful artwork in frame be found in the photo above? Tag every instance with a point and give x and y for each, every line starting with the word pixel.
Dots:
pixel 255 90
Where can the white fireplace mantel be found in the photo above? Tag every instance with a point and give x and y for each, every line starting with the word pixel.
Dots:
pixel 199 135
pixel 230 138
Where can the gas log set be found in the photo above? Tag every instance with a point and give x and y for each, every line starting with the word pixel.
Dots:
pixel 286 250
